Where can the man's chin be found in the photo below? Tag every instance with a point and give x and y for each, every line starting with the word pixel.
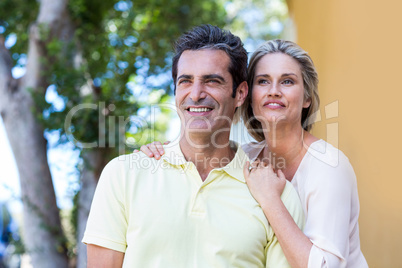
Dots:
pixel 198 125
pixel 199 129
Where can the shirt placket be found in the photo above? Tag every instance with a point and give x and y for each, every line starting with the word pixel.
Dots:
pixel 198 204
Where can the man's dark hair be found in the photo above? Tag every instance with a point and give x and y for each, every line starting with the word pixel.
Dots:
pixel 212 37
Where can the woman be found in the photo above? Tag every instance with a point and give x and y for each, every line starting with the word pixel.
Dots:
pixel 278 113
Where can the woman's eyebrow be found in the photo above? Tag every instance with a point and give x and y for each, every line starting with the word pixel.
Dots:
pixel 283 75
pixel 289 74
pixel 263 75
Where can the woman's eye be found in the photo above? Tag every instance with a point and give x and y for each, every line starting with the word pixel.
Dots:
pixel 262 82
pixel 288 82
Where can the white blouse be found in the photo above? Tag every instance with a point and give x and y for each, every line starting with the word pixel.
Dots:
pixel 326 184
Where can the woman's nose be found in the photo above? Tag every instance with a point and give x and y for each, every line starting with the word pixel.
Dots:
pixel 274 90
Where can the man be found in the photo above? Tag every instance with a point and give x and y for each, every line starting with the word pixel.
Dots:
pixel 194 209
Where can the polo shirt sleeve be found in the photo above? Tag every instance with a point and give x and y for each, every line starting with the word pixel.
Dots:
pixel 274 252
pixel 107 222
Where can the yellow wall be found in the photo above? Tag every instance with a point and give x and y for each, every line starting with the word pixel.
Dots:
pixel 357 48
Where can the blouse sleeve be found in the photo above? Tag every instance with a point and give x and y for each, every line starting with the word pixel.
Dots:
pixel 330 199
pixel 107 223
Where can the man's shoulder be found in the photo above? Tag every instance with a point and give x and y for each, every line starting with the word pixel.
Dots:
pixel 126 159
pixel 134 162
pixel 289 194
pixel 291 200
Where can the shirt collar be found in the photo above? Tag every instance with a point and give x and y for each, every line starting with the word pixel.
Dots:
pixel 235 167
pixel 174 156
pixel 254 149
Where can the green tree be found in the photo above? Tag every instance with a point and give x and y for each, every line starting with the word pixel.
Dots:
pixel 106 56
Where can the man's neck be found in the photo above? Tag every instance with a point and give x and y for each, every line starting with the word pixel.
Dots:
pixel 206 155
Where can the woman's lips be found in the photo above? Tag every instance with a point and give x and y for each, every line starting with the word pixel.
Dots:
pixel 274 104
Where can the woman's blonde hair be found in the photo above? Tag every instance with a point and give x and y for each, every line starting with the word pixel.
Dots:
pixel 310 82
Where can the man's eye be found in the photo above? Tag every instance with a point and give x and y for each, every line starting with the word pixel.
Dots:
pixel 184 81
pixel 212 81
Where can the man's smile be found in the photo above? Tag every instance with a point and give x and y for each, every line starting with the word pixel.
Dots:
pixel 199 110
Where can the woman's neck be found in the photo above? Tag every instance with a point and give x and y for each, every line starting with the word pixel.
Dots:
pixel 285 148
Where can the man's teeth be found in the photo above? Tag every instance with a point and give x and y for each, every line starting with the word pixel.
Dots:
pixel 199 110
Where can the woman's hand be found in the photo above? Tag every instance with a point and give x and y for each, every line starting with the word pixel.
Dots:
pixel 153 149
pixel 263 182
pixel 267 186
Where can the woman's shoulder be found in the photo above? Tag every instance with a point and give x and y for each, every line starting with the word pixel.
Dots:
pixel 328 163
pixel 325 154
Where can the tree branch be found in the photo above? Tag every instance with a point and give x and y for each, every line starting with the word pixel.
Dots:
pixel 53 22
pixel 55 16
pixel 6 64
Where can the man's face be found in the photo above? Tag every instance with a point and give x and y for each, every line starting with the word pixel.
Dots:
pixel 204 91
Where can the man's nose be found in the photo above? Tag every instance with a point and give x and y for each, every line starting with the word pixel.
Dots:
pixel 197 92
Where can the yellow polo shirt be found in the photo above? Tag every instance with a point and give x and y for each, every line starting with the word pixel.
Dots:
pixel 161 214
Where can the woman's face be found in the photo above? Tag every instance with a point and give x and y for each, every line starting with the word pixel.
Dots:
pixel 278 91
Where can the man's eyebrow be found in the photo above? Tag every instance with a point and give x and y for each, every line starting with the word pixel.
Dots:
pixel 185 76
pixel 213 76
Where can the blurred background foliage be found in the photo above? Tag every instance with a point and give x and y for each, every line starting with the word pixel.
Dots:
pixel 124 50
pixel 121 59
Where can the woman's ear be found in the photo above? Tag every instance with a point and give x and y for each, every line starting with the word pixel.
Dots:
pixel 307 103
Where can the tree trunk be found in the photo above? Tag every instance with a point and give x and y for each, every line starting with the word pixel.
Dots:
pixel 94 161
pixel 43 236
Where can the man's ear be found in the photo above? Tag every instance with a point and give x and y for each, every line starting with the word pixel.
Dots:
pixel 241 93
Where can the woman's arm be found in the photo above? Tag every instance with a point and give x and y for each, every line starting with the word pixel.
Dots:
pixel 153 149
pixel 267 187
pixel 329 196
pixel 295 244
